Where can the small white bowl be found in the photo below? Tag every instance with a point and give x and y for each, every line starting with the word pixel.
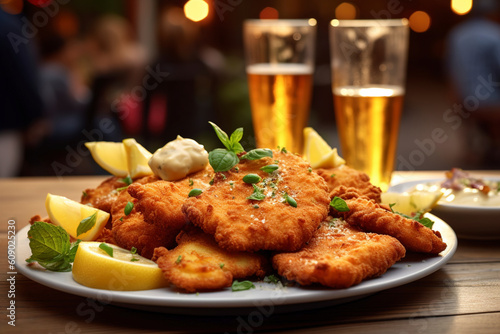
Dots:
pixel 468 222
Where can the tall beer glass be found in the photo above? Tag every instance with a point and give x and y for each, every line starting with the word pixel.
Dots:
pixel 368 61
pixel 280 65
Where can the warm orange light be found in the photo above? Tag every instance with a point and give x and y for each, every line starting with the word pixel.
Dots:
pixel 12 6
pixel 66 24
pixel 420 21
pixel 196 10
pixel 461 7
pixel 269 13
pixel 345 11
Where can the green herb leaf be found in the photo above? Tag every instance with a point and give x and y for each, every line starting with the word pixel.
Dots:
pixel 251 178
pixel 127 180
pixel 258 153
pixel 84 194
pixel 241 286
pixel 269 168
pixel 106 248
pixel 191 182
pixel 283 150
pixel 133 250
pixel 50 246
pixel 339 204
pixel 134 259
pixel 426 222
pixel 121 188
pixel 222 160
pixel 221 265
pixel 290 200
pixel 128 208
pixel 86 224
pixel 235 141
pixel 271 279
pixel 223 137
pixel 257 194
pixel 195 192
pixel 73 249
pixel 179 258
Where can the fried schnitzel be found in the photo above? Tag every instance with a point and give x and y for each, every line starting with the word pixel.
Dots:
pixel 339 256
pixel 198 264
pixel 279 212
pixel 160 202
pixel 372 217
pixel 130 230
pixel 350 177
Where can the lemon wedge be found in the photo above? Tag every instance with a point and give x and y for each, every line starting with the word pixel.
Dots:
pixel 68 214
pixel 111 156
pixel 137 158
pixel 124 271
pixel 409 203
pixel 318 152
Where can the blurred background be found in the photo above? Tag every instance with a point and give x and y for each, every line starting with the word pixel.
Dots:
pixel 73 71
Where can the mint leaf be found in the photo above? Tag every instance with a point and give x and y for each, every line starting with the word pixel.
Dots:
pixel 106 248
pixel 50 246
pixel 258 153
pixel 73 249
pixel 290 200
pixel 426 222
pixel 235 141
pixel 222 160
pixel 241 286
pixel 86 224
pixel 339 204
pixel 222 136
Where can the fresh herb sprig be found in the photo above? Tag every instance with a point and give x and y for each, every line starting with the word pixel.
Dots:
pixel 86 224
pixel 223 159
pixel 416 217
pixel 51 247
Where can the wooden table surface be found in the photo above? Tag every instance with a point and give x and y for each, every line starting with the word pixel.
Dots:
pixel 462 297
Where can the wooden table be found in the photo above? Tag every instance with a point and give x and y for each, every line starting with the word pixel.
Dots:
pixel 462 297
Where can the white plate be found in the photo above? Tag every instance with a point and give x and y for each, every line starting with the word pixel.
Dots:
pixel 469 222
pixel 265 296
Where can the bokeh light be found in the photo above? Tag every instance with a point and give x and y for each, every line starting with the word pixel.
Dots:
pixel 66 23
pixel 345 11
pixel 420 21
pixel 196 10
pixel 12 6
pixel 461 7
pixel 269 13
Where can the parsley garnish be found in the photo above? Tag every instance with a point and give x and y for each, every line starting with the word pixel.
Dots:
pixel 241 286
pixel 191 182
pixel 339 204
pixel 417 217
pixel 106 248
pixel 86 224
pixel 128 208
pixel 257 194
pixel 221 265
pixel 127 180
pixel 271 279
pixel 290 200
pixel 195 192
pixel 179 258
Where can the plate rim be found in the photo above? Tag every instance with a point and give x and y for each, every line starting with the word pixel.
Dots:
pixel 219 299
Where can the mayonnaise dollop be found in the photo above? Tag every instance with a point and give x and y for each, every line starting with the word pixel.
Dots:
pixel 178 158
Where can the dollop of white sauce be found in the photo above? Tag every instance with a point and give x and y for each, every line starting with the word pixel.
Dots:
pixel 178 158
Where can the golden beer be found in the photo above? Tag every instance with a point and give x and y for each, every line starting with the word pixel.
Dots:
pixel 368 122
pixel 280 96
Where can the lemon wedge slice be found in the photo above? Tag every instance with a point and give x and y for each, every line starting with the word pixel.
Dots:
pixel 137 158
pixel 124 271
pixel 318 152
pixel 68 214
pixel 111 156
pixel 409 203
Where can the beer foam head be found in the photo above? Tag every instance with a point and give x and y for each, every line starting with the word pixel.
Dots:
pixel 285 68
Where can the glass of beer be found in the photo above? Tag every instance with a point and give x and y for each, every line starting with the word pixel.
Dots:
pixel 280 65
pixel 368 61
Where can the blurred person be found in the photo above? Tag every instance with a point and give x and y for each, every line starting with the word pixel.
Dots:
pixel 473 63
pixel 182 103
pixel 117 63
pixel 20 102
